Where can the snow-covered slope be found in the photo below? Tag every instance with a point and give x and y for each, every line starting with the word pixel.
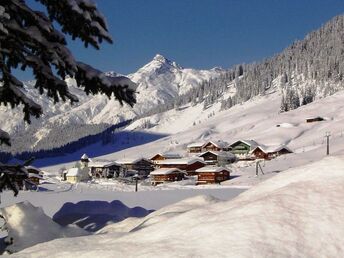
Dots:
pixel 159 82
pixel 165 80
pixel 298 213
pixel 28 225
pixel 257 119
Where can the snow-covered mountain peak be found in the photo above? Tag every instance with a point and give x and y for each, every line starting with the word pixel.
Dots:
pixel 160 64
pixel 160 58
pixel 165 61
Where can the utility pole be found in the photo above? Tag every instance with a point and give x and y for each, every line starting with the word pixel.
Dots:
pixel 136 178
pixel 258 166
pixel 327 135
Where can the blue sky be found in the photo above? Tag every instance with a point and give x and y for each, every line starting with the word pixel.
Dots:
pixel 201 33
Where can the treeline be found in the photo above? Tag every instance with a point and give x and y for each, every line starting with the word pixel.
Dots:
pixel 105 137
pixel 308 69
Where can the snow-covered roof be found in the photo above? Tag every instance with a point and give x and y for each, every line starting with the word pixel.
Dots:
pixel 213 169
pixel 218 144
pixel 218 153
pixel 184 161
pixel 34 169
pixel 166 171
pixel 84 156
pixel 271 149
pixel 73 172
pixel 195 144
pixel 131 160
pixel 102 163
pixel 35 175
pixel 168 155
pixel 314 117
pixel 250 143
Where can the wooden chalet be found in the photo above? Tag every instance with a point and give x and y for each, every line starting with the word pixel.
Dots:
pixel 216 146
pixel 164 175
pixel 195 147
pixel 34 174
pixel 219 158
pixel 242 148
pixel 104 168
pixel 314 119
pixel 143 166
pixel 263 152
pixel 189 165
pixel 212 175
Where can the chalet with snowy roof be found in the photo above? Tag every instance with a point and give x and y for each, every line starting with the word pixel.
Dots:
pixel 195 147
pixel 164 175
pixel 212 175
pixel 270 152
pixel 143 166
pixel 34 174
pixel 241 148
pixel 104 168
pixel 189 165
pixel 166 155
pixel 216 146
pixel 220 158
pixel 314 119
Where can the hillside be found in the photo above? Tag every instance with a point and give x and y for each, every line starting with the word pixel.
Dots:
pixel 298 213
pixel 306 71
pixel 159 83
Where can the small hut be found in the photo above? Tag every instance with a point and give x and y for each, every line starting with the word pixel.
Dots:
pixel 165 155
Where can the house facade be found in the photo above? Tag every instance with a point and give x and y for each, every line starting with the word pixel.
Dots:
pixel 216 146
pixel 195 147
pixel 104 169
pixel 35 174
pixel 141 165
pixel 189 165
pixel 164 175
pixel 262 152
pixel 219 158
pixel 242 148
pixel 77 174
pixel 212 175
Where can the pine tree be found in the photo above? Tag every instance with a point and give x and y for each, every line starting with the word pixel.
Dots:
pixel 28 39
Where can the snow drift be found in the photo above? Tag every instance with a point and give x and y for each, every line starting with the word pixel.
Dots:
pixel 298 213
pixel 28 225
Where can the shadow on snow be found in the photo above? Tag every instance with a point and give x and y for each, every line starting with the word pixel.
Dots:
pixel 94 215
pixel 116 142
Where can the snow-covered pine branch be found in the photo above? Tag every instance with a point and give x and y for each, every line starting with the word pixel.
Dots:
pixel 29 40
